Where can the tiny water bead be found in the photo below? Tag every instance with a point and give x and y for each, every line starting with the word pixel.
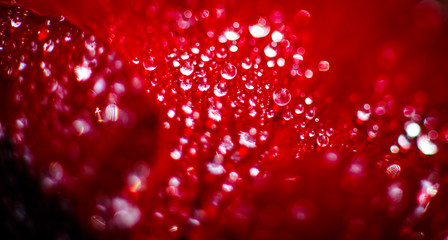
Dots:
pixel 221 89
pixel 223 144
pixel 150 63
pixel 187 68
pixel 229 71
pixel 324 66
pixel 322 140
pixel 261 29
pixel 281 96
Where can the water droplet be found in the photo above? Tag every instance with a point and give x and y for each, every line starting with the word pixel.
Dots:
pixel 187 69
pixel 287 116
pixel 112 112
pixel 207 55
pixel 299 109
pixel 409 111
pixel 221 89
pixel 277 36
pixel 308 101
pixel 412 129
pixel 82 73
pixel 176 154
pixel 270 52
pixel 48 46
pixel 246 139
pixel 302 18
pixel 126 215
pixel 231 35
pixel 247 63
pixel 324 66
pixel 309 73
pixel 214 114
pixel 297 58
pixel 16 22
pixel 364 113
pixel 228 71
pixel 311 113
pixel 322 140
pixel 426 146
pixel 149 63
pixel 215 169
pixel 393 171
pixel 98 222
pixel 281 96
pixel 260 30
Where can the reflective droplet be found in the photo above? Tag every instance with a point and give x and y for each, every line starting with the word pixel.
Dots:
pixel 176 154
pixel 270 52
pixel 310 114
pixel 187 69
pixel 324 66
pixel 299 109
pixel 98 223
pixel 413 129
pixel 150 63
pixel 408 111
pixel 322 140
pixel 247 63
pixel 364 113
pixel 254 172
pixel 16 22
pixel 246 139
pixel 221 89
pixel 281 96
pixel 302 18
pixel 260 30
pixel 393 171
pixel 228 71
pixel 231 35
pixel 48 46
pixel 426 146
pixel 112 112
pixel 277 36
pixel 82 73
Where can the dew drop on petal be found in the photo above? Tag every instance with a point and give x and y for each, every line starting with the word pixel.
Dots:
pixel 322 140
pixel 413 130
pixel 270 52
pixel 426 146
pixel 149 63
pixel 393 171
pixel 16 22
pixel 126 215
pixel 324 66
pixel 228 71
pixel 98 222
pixel 281 96
pixel 302 18
pixel 82 73
pixel 231 35
pixel 260 30
pixel 187 69
pixel 176 154
pixel 246 139
pixel 215 169
pixel 364 113
pixel 299 109
pixel 277 36
pixel 112 112
pixel 254 171
pixel 221 89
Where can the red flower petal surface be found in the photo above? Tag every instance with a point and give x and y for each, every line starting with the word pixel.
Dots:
pixel 253 120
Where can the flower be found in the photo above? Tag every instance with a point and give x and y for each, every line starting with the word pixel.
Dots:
pixel 203 121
